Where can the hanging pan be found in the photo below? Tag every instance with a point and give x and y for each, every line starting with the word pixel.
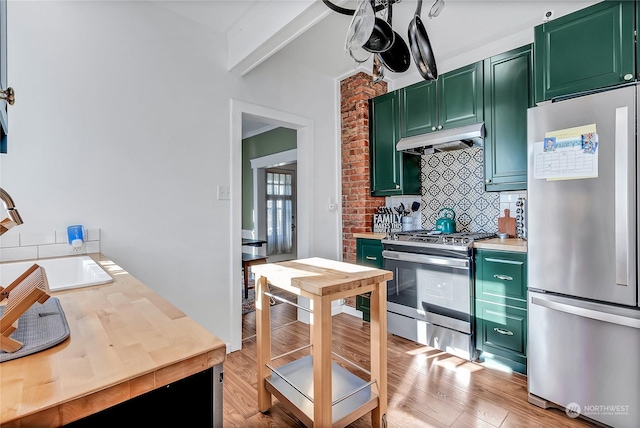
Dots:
pixel 381 37
pixel 397 58
pixel 421 48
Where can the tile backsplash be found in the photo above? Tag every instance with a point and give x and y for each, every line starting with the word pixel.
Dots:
pixel 455 180
pixel 27 246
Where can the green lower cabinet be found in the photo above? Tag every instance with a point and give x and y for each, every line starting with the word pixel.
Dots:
pixel 501 307
pixel 368 253
pixel 502 332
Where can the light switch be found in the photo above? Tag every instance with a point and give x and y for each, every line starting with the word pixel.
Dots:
pixel 223 192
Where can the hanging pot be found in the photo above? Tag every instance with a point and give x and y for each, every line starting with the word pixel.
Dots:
pixel 361 25
pixel 421 48
pixel 381 37
pixel 397 58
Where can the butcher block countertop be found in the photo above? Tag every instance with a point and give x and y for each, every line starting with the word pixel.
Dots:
pixel 125 340
pixel 510 244
pixel 370 235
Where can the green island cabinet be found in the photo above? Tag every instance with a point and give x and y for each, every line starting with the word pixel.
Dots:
pixel 501 307
pixel 368 253
pixel 392 172
pixel 455 99
pixel 589 49
pixel 508 93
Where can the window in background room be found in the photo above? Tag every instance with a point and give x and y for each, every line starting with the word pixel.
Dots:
pixel 280 212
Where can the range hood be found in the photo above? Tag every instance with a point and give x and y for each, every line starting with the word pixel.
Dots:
pixel 441 141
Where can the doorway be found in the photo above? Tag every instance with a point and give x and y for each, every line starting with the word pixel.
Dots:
pixel 304 130
pixel 281 212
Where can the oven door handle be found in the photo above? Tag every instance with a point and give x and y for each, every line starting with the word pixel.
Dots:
pixel 425 259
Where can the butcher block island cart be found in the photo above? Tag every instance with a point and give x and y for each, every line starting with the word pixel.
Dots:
pixel 132 358
pixel 318 391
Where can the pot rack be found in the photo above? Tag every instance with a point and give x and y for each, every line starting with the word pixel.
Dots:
pixel 419 44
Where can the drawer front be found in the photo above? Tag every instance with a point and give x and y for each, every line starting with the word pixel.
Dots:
pixel 502 330
pixel 502 278
pixel 369 252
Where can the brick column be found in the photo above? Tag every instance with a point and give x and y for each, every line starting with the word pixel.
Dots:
pixel 358 206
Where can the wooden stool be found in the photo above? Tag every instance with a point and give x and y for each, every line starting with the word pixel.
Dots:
pixel 28 288
pixel 247 261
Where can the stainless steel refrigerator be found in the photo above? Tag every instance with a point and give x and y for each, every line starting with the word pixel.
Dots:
pixel 583 315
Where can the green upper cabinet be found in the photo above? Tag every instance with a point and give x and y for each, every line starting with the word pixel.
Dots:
pixel 392 172
pixel 508 91
pixel 588 49
pixel 455 99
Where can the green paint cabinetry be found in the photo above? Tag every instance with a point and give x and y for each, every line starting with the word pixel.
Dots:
pixel 508 93
pixel 588 49
pixel 501 307
pixel 368 253
pixel 392 172
pixel 455 99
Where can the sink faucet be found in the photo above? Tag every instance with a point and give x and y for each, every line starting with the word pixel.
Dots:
pixel 14 218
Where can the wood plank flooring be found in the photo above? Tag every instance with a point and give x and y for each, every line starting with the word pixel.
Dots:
pixel 427 387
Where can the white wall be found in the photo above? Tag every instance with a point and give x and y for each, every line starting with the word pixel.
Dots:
pixel 122 122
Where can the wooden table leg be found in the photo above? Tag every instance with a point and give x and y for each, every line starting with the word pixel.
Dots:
pixel 263 342
pixel 321 351
pixel 378 326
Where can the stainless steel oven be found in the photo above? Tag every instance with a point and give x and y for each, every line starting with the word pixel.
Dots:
pixel 430 298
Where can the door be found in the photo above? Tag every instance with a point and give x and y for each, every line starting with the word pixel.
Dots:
pixel 281 213
pixel 582 232
pixel 508 91
pixel 591 48
pixel 584 356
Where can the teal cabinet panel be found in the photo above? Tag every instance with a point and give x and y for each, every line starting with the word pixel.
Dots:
pixel 508 92
pixel 369 252
pixel 588 49
pixel 455 99
pixel 418 109
pixel 392 172
pixel 460 97
pixel 502 277
pixel 501 307
pixel 502 330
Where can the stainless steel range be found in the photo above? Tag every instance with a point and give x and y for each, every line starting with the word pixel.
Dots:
pixel 430 299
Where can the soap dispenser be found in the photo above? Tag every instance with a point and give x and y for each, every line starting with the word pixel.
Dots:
pixel 75 235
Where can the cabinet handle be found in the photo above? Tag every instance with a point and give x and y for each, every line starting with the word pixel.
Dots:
pixel 371 258
pixel 488 180
pixel 397 186
pixel 502 331
pixel 628 76
pixel 433 128
pixel 439 126
pixel 503 277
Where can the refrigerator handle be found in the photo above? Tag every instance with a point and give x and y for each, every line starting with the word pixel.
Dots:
pixel 587 313
pixel 623 198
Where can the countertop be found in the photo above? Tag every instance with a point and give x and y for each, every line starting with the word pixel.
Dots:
pixel 125 340
pixel 510 244
pixel 370 235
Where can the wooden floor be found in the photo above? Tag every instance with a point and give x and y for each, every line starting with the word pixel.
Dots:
pixel 427 388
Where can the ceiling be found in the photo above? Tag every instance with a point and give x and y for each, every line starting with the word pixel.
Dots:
pixel 465 31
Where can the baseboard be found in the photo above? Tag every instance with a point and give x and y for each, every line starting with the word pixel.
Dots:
pixel 349 310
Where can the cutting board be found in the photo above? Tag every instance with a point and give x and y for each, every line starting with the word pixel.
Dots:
pixel 507 224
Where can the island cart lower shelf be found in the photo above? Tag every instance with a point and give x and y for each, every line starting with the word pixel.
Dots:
pixel 318 391
pixel 351 396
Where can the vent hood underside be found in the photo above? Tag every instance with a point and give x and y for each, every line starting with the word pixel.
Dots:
pixel 440 141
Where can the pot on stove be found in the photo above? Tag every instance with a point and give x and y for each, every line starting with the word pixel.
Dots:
pixel 447 221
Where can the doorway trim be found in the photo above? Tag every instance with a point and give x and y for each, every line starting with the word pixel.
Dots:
pixel 304 139
pixel 258 168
